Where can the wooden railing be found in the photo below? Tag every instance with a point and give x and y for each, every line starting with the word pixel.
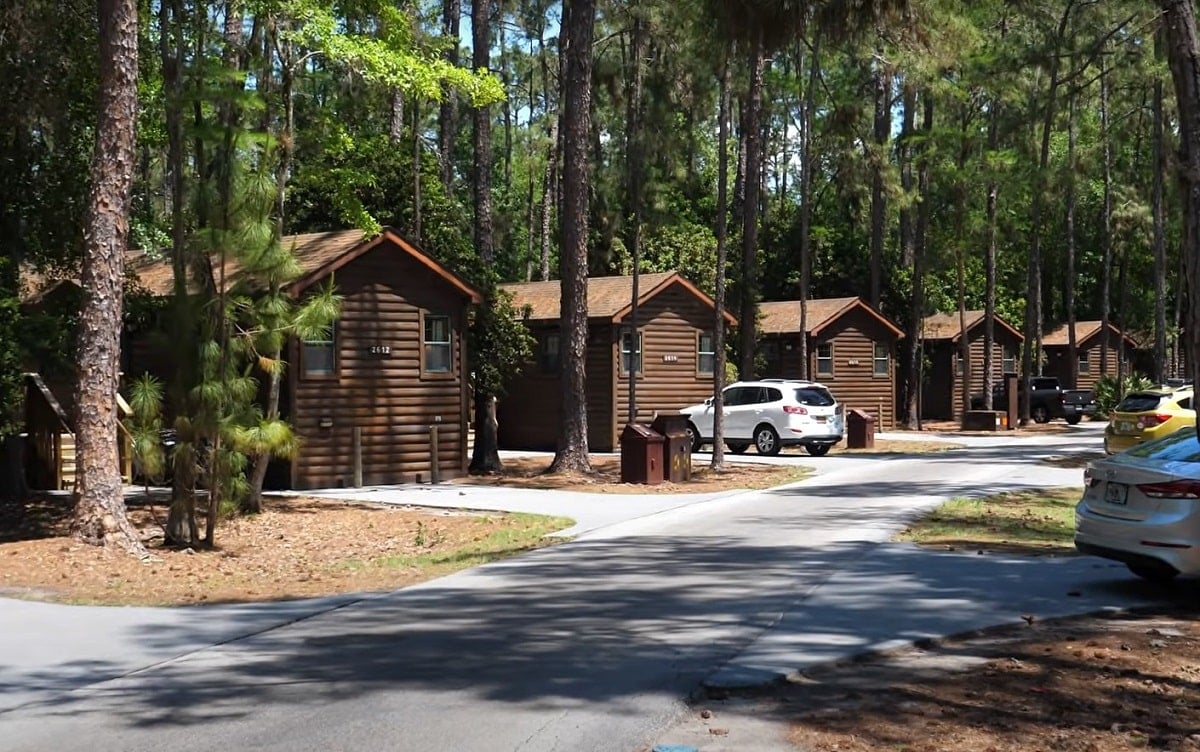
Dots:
pixel 50 448
pixel 50 459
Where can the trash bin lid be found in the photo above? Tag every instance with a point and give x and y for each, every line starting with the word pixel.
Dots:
pixel 642 431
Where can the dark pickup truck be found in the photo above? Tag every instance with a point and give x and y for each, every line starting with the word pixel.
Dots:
pixel 1049 401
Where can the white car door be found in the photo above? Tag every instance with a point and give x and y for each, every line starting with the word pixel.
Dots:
pixel 741 406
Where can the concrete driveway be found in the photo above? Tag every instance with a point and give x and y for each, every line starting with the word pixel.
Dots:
pixel 594 644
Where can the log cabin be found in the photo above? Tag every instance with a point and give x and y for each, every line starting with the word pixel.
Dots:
pixel 943 382
pixel 1091 339
pixel 672 357
pixel 851 349
pixel 364 400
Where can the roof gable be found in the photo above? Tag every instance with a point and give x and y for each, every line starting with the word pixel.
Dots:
pixel 1084 332
pixel 946 326
pixel 783 316
pixel 608 298
pixel 318 255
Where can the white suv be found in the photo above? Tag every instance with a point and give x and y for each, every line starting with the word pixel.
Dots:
pixel 771 414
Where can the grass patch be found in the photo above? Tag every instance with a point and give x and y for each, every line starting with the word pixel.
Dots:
pixel 527 532
pixel 1034 522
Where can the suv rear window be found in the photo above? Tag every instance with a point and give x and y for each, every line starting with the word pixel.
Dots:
pixel 817 397
pixel 1139 402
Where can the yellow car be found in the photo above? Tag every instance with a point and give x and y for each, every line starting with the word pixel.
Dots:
pixel 1146 415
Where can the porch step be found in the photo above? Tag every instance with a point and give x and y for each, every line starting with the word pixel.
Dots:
pixel 67 443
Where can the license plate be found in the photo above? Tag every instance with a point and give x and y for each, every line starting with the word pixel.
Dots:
pixel 1116 493
pixel 1125 427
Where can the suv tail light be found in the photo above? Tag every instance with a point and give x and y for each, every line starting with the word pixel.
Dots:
pixel 795 410
pixel 1175 489
pixel 1150 421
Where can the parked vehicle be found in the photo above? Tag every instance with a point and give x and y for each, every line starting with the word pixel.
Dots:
pixel 771 414
pixel 1142 507
pixel 1146 415
pixel 1049 401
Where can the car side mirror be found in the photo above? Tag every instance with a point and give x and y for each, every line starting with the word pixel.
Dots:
pixel 708 402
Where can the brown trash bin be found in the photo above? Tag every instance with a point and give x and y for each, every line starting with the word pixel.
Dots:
pixel 860 430
pixel 641 455
pixel 677 447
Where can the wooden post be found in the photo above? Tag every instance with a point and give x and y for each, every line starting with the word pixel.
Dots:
pixel 358 457
pixel 435 475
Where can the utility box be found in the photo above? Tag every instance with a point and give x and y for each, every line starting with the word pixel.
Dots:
pixel 641 455
pixel 860 430
pixel 677 447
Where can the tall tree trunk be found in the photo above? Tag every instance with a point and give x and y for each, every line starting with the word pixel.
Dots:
pixel 879 161
pixel 806 200
pixel 1031 356
pixel 909 259
pixel 100 517
pixel 1106 236
pixel 485 457
pixel 448 112
pixel 633 180
pixel 579 22
pixel 1069 287
pixel 1160 241
pixel 182 525
pixel 751 137
pixel 960 254
pixel 417 228
pixel 722 232
pixel 396 123
pixel 924 207
pixel 549 200
pixel 992 201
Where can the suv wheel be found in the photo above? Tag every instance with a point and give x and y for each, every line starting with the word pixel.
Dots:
pixel 1073 419
pixel 766 440
pixel 817 450
pixel 1040 414
pixel 737 447
pixel 694 437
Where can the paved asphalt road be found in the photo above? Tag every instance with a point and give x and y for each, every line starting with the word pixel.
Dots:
pixel 592 645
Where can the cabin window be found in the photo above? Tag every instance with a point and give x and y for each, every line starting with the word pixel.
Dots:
pixel 318 357
pixel 436 347
pixel 706 354
pixel 825 359
pixel 1085 365
pixel 1009 363
pixel 631 354
pixel 882 361
pixel 958 364
pixel 548 352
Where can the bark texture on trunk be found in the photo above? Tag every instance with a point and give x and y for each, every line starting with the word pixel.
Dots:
pixel 448 111
pixel 882 130
pixel 752 140
pixel 100 516
pixel 572 450
pixel 722 232
pixel 1160 242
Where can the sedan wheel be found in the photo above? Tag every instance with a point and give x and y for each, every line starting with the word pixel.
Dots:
pixel 1152 573
pixel 766 440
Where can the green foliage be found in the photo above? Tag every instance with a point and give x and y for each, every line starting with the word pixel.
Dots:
pixel 499 342
pixel 12 396
pixel 145 426
pixel 1109 391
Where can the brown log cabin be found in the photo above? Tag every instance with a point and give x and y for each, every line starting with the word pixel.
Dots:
pixel 851 349
pixel 1090 341
pixel 394 365
pixel 673 365
pixel 943 384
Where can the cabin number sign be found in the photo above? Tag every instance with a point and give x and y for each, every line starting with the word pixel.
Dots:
pixel 379 351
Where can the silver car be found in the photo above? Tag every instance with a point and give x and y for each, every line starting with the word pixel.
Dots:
pixel 771 414
pixel 1142 507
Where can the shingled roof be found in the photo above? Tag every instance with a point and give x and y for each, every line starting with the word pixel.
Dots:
pixel 609 298
pixel 317 253
pixel 783 316
pixel 945 326
pixel 1084 331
